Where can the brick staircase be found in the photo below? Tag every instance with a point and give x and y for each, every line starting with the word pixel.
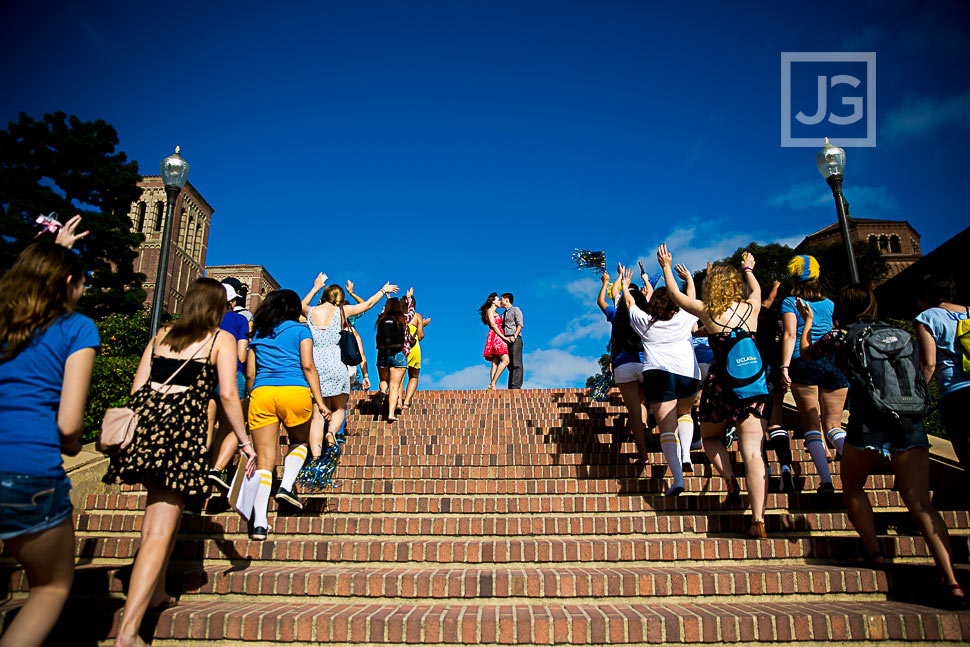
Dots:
pixel 517 518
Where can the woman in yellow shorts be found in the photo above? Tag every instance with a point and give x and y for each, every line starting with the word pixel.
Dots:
pixel 283 387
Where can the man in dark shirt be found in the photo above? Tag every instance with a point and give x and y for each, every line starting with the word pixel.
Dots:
pixel 512 328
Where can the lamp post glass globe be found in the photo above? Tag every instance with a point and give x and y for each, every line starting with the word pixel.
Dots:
pixel 175 170
pixel 830 160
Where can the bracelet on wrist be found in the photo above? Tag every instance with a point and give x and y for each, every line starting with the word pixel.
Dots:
pixel 747 269
pixel 782 367
pixel 248 442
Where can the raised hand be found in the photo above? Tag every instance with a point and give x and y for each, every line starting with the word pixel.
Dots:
pixel 682 271
pixel 747 260
pixel 67 236
pixel 805 311
pixel 664 257
pixel 627 277
pixel 390 289
pixel 605 277
pixel 350 286
pixel 426 321
pixel 410 292
pixel 320 281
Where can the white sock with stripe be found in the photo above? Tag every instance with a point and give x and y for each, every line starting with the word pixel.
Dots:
pixel 685 430
pixel 816 448
pixel 836 438
pixel 292 465
pixel 670 444
pixel 261 503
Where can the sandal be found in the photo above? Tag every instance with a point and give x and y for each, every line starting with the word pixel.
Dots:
pixel 950 599
pixel 330 439
pixel 756 531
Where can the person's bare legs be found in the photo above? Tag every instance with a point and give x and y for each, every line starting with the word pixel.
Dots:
pixel 632 396
pixel 503 362
pixel 162 515
pixel 394 391
pixel 832 402
pixel 751 435
pixel 493 364
pixel 48 561
pixel 338 411
pixel 412 385
pixel 385 376
pixel 856 466
pixel 317 423
pixel 912 470
pixel 711 434
pixel 806 400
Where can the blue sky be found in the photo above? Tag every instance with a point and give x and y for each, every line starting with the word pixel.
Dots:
pixel 464 148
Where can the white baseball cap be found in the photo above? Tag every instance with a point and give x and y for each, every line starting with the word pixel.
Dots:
pixel 230 292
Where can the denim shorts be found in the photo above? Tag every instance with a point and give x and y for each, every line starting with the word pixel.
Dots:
pixel 663 386
pixel 31 504
pixel 822 373
pixel 397 360
pixel 886 438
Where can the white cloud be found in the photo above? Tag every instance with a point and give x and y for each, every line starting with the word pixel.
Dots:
pixel 583 288
pixel 923 115
pixel 810 195
pixel 470 377
pixel 555 368
pixel 591 325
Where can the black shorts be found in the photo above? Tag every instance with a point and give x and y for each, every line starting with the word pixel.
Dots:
pixel 663 386
pixel 822 373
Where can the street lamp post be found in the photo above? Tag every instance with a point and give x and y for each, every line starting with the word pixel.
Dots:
pixel 831 164
pixel 175 171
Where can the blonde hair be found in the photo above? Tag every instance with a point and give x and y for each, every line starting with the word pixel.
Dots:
pixel 333 294
pixel 722 287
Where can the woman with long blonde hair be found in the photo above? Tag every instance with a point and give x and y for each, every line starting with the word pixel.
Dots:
pixel 734 392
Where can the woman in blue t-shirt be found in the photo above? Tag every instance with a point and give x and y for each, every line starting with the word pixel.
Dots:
pixel 816 384
pixel 46 358
pixel 283 387
pixel 941 354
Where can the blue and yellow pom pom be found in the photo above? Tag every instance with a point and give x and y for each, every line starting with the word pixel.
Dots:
pixel 803 268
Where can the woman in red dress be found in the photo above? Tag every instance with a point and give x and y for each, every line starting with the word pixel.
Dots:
pixel 496 344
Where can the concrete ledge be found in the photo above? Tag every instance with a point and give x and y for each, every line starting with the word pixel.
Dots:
pixel 85 471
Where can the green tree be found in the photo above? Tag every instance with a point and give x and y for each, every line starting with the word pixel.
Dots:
pixel 770 264
pixel 604 363
pixel 67 166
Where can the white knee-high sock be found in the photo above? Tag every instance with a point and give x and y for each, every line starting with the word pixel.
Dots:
pixel 816 448
pixel 261 504
pixel 685 430
pixel 292 465
pixel 836 438
pixel 670 444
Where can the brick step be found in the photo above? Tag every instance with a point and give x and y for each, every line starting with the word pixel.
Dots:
pixel 340 502
pixel 230 523
pixel 511 485
pixel 524 624
pixel 333 581
pixel 284 548
pixel 427 456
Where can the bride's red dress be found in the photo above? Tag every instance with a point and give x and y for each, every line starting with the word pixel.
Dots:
pixel 494 345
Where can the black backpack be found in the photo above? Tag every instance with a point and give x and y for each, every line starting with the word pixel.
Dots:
pixel 882 365
pixel 390 336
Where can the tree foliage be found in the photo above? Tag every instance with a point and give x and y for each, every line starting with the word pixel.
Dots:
pixel 64 165
pixel 604 363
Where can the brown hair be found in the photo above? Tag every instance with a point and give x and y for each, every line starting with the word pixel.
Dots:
pixel 333 294
pixel 34 293
pixel 661 307
pixel 856 301
pixel 807 290
pixel 393 311
pixel 722 287
pixel 204 307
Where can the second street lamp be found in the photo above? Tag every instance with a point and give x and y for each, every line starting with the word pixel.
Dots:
pixel 831 164
pixel 175 172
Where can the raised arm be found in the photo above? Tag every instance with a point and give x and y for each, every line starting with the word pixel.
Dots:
pixel 68 235
pixel 615 288
pixel 769 300
pixel 601 297
pixel 318 284
pixel 688 278
pixel 647 288
pixel 684 302
pixel 364 306
pixel 625 287
pixel 754 288
pixel 350 291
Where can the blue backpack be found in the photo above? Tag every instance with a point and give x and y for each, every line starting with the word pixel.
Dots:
pixel 743 367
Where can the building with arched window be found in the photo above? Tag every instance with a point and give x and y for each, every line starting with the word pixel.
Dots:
pixel 895 239
pixel 189 237
pixel 255 278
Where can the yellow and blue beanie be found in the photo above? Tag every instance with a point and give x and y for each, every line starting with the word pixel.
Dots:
pixel 803 268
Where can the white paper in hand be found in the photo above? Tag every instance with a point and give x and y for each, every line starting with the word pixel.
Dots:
pixel 242 493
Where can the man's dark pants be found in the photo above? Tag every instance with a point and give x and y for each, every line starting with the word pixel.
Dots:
pixel 515 364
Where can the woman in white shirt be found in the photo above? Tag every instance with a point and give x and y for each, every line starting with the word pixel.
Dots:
pixel 671 377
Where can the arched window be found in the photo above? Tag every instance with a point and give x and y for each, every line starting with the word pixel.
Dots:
pixel 140 218
pixel 884 243
pixel 159 216
pixel 873 243
pixel 894 245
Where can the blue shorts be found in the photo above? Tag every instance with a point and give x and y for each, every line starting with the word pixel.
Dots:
pixel 663 386
pixel 241 385
pixel 822 373
pixel 31 504
pixel 886 438
pixel 397 360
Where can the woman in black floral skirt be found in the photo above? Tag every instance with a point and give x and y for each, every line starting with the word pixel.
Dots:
pixel 176 378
